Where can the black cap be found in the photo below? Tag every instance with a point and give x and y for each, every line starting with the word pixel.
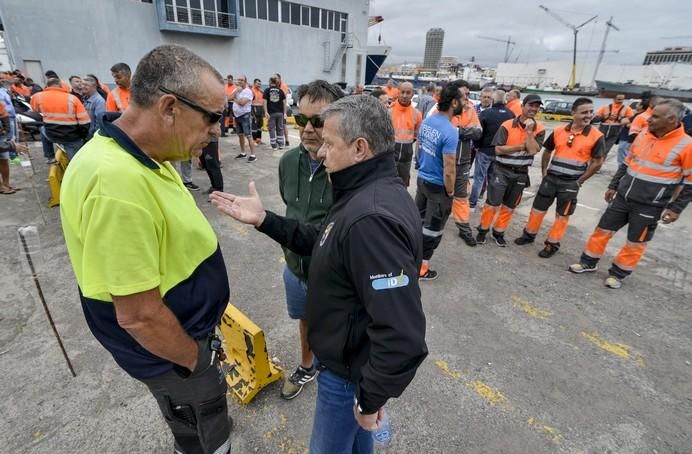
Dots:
pixel 530 99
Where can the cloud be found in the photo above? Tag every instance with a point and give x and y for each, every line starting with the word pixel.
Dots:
pixel 642 23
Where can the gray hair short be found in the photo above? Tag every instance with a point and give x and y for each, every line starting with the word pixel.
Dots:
pixel 490 90
pixel 677 108
pixel 499 96
pixel 173 67
pixel 363 116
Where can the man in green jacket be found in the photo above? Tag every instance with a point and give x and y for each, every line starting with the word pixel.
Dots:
pixel 307 193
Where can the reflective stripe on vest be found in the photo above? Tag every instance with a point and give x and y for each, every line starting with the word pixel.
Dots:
pixel 116 98
pixel 516 135
pixel 573 160
pixel 402 135
pixel 645 161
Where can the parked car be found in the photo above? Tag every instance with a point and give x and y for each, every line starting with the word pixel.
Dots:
pixel 557 108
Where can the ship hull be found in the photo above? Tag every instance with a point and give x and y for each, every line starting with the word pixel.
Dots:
pixel 610 89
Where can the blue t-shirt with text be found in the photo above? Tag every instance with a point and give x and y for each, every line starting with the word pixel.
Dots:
pixel 436 136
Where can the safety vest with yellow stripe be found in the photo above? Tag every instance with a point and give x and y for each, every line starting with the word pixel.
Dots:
pixel 656 166
pixel 64 116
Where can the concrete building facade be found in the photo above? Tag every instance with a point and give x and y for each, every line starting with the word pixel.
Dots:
pixel 302 40
pixel 434 41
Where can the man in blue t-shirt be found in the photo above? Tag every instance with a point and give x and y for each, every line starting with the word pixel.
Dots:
pixel 437 147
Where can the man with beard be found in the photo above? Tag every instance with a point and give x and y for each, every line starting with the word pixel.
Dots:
pixel 406 120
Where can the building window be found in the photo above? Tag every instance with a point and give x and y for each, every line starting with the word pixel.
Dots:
pixel 262 9
pixel 324 18
pixel 204 15
pixel 330 23
pixel 286 12
pixel 242 8
pixel 295 14
pixel 251 8
pixel 314 17
pixel 274 10
pixel 305 15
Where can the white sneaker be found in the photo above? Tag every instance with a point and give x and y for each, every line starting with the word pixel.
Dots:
pixel 613 282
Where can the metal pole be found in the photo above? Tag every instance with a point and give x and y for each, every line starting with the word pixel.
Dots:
pixel 43 300
pixel 573 77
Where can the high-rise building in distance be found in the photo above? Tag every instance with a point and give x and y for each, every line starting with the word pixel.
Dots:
pixel 434 40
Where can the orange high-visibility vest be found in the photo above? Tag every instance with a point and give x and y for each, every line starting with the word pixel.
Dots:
pixel 258 99
pixel 118 100
pixel 641 122
pixel 516 135
pixel 515 106
pixel 406 121
pixel 468 118
pixel 613 114
pixel 663 160
pixel 63 113
pixel 392 92
pixel 572 160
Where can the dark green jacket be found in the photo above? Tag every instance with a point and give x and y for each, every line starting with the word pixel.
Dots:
pixel 307 198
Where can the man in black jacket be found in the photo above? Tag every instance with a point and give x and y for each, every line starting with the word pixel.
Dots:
pixel 490 119
pixel 365 320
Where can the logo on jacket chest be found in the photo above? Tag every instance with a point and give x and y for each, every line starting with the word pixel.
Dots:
pixel 326 233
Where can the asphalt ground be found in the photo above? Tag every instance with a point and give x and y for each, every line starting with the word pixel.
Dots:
pixel 525 357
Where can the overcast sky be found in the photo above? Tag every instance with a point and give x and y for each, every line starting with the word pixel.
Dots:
pixel 643 25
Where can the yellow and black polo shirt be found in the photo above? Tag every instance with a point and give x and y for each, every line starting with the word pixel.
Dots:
pixel 130 226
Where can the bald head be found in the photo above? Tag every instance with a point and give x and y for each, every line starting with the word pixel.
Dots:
pixel 405 93
pixel 499 97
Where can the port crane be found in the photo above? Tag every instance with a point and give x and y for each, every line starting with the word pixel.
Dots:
pixel 575 29
pixel 509 44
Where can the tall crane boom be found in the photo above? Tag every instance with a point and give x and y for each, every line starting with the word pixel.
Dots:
pixel 575 30
pixel 609 25
pixel 508 42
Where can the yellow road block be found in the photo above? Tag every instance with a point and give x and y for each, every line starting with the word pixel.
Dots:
pixel 55 174
pixel 246 351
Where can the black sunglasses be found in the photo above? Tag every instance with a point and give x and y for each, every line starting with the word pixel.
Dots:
pixel 303 120
pixel 210 117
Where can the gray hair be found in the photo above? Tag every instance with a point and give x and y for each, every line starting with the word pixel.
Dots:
pixel 677 108
pixel 490 90
pixel 499 96
pixel 90 79
pixel 363 116
pixel 173 67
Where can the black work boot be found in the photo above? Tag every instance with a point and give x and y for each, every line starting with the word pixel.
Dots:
pixel 525 238
pixel 549 250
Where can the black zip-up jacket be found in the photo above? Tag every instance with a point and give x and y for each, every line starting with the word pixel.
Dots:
pixel 364 312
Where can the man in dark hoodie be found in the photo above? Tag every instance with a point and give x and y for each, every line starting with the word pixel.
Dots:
pixel 307 193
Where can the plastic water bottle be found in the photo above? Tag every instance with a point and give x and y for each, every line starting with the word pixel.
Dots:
pixel 383 436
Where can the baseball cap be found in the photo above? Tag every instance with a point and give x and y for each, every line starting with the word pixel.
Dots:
pixel 531 99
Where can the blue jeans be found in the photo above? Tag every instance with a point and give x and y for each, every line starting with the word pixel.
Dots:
pixel 623 149
pixel 296 295
pixel 334 429
pixel 71 148
pixel 481 169
pixel 48 148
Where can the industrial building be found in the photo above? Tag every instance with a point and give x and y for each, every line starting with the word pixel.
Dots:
pixel 303 41
pixel 669 55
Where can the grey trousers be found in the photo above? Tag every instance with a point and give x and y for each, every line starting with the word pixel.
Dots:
pixel 195 409
pixel 276 129
pixel 185 168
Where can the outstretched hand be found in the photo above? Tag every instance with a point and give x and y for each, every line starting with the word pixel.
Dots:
pixel 248 210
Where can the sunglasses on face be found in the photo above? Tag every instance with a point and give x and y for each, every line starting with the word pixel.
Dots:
pixel 209 116
pixel 303 120
pixel 570 139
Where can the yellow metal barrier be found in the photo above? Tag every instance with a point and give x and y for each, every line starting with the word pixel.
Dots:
pixel 55 174
pixel 554 117
pixel 61 157
pixel 246 351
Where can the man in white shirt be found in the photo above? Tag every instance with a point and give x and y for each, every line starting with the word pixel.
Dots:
pixel 242 110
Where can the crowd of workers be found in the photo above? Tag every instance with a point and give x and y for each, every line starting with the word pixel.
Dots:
pixel 153 302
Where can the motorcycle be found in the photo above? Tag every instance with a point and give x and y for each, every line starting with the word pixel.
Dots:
pixel 28 120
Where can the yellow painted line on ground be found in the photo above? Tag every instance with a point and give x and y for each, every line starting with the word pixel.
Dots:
pixel 622 350
pixel 529 309
pixel 551 433
pixel 496 399
pixel 285 444
pixel 492 395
